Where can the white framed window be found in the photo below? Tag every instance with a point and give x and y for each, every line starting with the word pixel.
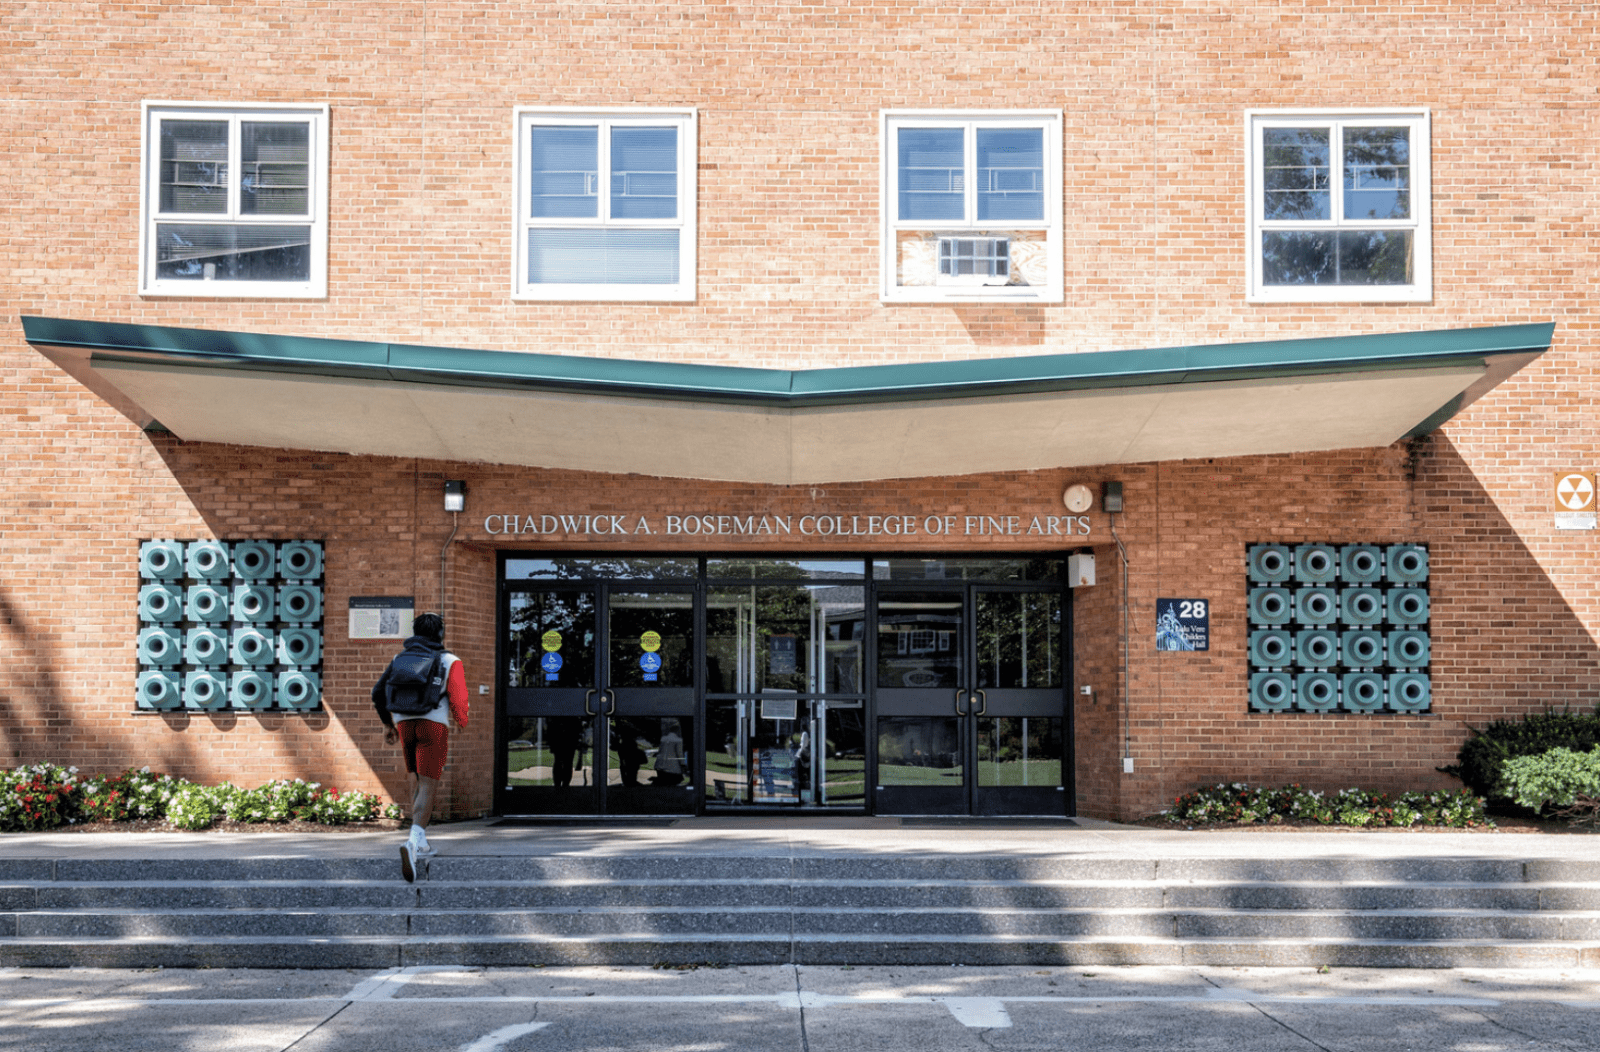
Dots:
pixel 605 204
pixel 970 206
pixel 234 201
pixel 1339 206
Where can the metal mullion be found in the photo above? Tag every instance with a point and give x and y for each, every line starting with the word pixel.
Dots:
pixel 235 166
pixel 603 172
pixel 1336 175
pixel 969 162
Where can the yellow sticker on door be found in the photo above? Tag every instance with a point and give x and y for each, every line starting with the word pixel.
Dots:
pixel 650 642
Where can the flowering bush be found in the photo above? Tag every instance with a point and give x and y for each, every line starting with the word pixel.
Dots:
pixel 129 796
pixel 284 801
pixel 45 796
pixel 39 797
pixel 1246 805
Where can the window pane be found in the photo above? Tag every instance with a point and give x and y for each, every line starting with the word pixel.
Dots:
pixel 1375 257
pixel 1020 751
pixel 233 253
pixel 552 640
pixel 1010 174
pixel 564 173
pixel 603 257
pixel 931 168
pixel 276 162
pixel 785 638
pixel 1019 640
pixel 194 166
pixel 919 640
pixel 570 569
pixel 967 569
pixel 652 639
pixel 919 751
pixel 1295 174
pixel 1357 257
pixel 1377 173
pixel 644 173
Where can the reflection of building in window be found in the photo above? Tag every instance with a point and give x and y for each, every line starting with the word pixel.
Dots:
pixel 235 200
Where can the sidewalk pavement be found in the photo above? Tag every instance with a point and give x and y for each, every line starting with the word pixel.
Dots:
pixel 816 836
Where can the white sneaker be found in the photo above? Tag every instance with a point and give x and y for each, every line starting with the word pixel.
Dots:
pixel 408 862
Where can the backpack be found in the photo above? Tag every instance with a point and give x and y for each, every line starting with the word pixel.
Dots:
pixel 415 683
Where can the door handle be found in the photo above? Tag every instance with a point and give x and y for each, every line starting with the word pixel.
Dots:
pixel 588 697
pixel 611 696
pixel 959 711
pixel 983 703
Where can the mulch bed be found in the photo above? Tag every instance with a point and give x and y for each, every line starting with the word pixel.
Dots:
pixel 1502 824
pixel 382 825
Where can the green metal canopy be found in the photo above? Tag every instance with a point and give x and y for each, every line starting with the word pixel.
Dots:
pixel 786 426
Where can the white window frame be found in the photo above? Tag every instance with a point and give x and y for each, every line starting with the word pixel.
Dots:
pixel 1420 224
pixel 686 120
pixel 152 112
pixel 889 290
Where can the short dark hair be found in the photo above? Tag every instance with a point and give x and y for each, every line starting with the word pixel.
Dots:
pixel 430 626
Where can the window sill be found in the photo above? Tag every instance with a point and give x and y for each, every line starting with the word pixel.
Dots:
pixel 236 291
pixel 606 294
pixel 1351 294
pixel 1025 296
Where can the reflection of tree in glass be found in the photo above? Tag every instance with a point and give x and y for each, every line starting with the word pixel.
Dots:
pixel 1295 173
pixel 1019 640
pixel 569 613
pixel 1376 178
pixel 593 568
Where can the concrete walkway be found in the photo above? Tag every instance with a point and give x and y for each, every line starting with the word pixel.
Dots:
pixel 809 836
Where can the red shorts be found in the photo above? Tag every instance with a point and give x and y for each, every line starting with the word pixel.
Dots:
pixel 427 744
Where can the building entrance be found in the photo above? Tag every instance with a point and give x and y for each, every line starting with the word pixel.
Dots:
pixel 646 686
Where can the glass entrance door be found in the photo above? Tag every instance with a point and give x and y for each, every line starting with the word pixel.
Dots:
pixel 786 705
pixel 550 736
pixel 649 699
pixel 600 700
pixel 970 700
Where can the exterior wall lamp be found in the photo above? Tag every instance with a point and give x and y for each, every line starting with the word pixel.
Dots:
pixel 455 496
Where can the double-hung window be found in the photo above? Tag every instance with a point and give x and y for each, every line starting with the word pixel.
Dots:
pixel 971 206
pixel 234 201
pixel 605 204
pixel 1339 206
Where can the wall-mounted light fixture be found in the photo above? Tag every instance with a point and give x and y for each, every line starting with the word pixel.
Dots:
pixel 455 496
pixel 1111 496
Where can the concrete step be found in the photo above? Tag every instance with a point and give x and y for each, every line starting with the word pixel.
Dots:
pixel 858 909
pixel 778 920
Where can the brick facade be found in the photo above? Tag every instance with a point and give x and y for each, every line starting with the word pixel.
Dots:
pixel 1153 94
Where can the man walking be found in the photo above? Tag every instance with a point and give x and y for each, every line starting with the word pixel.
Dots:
pixel 418 710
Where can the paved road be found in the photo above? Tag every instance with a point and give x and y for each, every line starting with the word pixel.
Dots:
pixel 800 1009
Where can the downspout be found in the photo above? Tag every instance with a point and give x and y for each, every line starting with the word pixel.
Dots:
pixel 1127 731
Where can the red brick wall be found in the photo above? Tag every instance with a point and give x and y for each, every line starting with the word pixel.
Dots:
pixel 1153 96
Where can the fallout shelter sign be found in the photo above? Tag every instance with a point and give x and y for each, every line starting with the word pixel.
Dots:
pixel 1183 624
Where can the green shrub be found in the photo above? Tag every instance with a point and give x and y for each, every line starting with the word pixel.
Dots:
pixel 1482 757
pixel 196 806
pixel 1560 782
pixel 1244 804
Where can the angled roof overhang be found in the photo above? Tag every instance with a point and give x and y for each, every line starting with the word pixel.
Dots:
pixel 787 426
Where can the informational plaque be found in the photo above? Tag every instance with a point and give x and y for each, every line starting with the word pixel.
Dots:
pixel 1183 624
pixel 381 616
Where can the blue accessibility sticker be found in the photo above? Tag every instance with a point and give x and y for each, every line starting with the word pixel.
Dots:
pixel 551 662
pixel 650 662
